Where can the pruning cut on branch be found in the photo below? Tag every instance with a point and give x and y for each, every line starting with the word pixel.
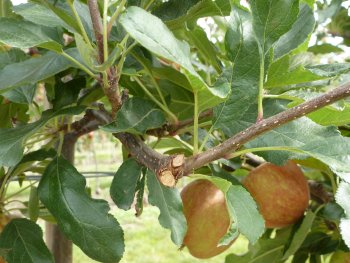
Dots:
pixel 185 96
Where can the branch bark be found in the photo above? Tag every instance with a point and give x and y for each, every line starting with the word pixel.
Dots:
pixel 97 25
pixel 234 143
pixel 170 168
pixel 112 89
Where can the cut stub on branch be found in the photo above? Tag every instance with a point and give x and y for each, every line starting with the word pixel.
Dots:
pixel 170 174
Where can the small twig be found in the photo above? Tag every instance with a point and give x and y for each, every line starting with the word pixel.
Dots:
pixel 98 29
pixel 264 126
pixel 110 88
pixel 80 24
pixel 115 16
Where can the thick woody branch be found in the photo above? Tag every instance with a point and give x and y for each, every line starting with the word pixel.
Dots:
pixel 90 122
pixel 234 143
pixel 170 168
pixel 167 168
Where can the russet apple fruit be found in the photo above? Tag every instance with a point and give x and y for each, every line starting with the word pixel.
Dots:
pixel 281 193
pixel 207 218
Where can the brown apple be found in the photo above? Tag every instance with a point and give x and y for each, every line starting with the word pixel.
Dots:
pixel 281 193
pixel 207 218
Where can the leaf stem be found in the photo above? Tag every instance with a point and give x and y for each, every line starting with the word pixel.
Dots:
pixel 206 138
pixel 124 54
pixel 195 123
pixel 149 94
pixel 333 182
pixel 190 128
pixel 80 65
pixel 115 15
pixel 155 83
pixel 105 30
pixel 19 191
pixel 149 4
pixel 261 89
pixel 80 24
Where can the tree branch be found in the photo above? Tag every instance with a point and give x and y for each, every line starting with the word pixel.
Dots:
pixel 111 88
pixel 170 168
pixel 234 143
pixel 167 168
pixel 97 25
pixel 172 129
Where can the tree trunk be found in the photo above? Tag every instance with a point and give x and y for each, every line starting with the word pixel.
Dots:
pixel 59 245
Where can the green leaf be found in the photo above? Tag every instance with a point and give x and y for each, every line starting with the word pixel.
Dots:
pixel 60 12
pixel 297 35
pixel 330 70
pixel 173 9
pixel 300 234
pixel 329 11
pixel 33 204
pixel 229 115
pixel 289 70
pixel 157 38
pixel 265 250
pixel 11 56
pixel 326 116
pixel 41 15
pixel 6 8
pixel 87 53
pixel 84 220
pixel 198 38
pixel 272 19
pixel 324 49
pixel 67 93
pixel 12 139
pixel 13 111
pixel 342 197
pixel 169 202
pixel 25 34
pixel 23 239
pixel 173 76
pixel 249 222
pixel 124 184
pixel 38 155
pixel 34 69
pixel 221 87
pixel 203 8
pixel 243 50
pixel 23 94
pixel 136 116
pixel 244 214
